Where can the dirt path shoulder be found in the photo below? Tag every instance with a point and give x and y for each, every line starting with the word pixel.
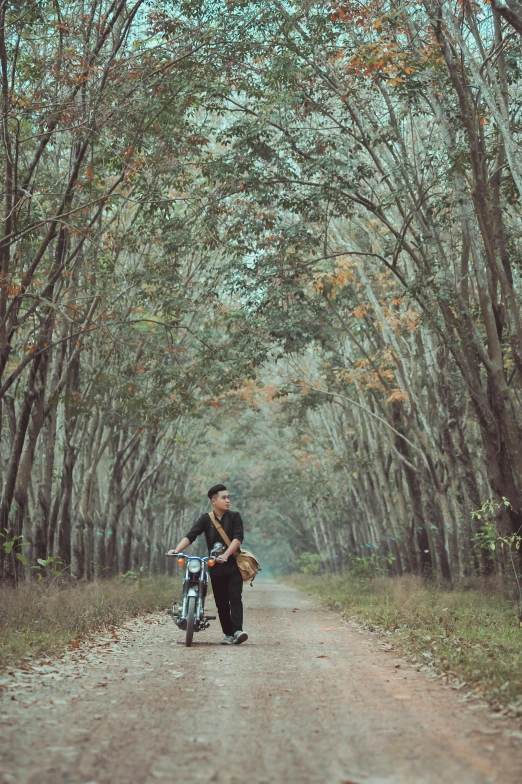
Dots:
pixel 308 699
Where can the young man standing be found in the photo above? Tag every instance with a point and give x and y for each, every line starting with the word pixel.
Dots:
pixel 227 583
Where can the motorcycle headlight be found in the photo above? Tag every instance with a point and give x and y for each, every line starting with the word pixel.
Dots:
pixel 194 566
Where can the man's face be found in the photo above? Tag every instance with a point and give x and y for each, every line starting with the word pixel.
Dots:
pixel 222 502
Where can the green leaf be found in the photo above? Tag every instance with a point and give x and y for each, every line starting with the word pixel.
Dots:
pixel 22 558
pixel 8 546
pixel 41 562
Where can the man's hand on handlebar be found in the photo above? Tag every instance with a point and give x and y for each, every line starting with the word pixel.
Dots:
pixel 185 542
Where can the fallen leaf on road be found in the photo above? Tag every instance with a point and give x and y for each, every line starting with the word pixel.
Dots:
pixel 322 656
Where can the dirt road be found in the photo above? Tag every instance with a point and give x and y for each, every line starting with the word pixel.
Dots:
pixel 308 699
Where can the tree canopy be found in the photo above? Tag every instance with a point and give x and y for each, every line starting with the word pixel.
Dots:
pixel 277 244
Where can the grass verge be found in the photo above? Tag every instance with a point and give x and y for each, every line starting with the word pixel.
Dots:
pixel 472 638
pixel 38 619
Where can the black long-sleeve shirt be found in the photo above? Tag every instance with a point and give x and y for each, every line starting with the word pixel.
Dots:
pixel 232 524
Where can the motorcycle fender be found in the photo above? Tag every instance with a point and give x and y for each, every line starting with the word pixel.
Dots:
pixel 192 592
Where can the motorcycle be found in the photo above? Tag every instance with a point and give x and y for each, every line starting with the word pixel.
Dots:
pixel 190 617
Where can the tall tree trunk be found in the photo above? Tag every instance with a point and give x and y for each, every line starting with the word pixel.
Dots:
pixel 10 568
pixel 25 468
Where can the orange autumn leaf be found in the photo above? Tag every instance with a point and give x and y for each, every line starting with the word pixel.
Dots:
pixel 397 396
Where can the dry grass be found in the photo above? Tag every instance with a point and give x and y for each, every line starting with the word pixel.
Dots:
pixel 473 637
pixel 38 619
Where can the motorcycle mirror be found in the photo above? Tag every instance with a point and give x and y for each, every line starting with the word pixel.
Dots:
pixel 218 548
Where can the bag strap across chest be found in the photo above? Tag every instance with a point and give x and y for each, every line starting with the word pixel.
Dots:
pixel 220 528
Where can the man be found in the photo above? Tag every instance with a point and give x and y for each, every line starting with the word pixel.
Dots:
pixel 227 582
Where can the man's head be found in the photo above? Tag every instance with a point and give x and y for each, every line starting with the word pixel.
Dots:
pixel 219 498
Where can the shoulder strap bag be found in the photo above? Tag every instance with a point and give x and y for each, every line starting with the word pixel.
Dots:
pixel 247 562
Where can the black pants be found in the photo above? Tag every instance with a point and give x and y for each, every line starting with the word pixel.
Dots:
pixel 227 595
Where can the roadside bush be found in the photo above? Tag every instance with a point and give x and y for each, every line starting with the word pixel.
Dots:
pixel 370 565
pixel 39 618
pixel 472 636
pixel 308 563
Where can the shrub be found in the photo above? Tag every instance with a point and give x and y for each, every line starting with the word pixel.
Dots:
pixel 39 618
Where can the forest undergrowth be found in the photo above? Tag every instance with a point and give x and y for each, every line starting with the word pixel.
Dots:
pixel 470 638
pixel 39 619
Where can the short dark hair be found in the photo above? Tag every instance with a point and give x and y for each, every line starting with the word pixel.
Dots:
pixel 215 490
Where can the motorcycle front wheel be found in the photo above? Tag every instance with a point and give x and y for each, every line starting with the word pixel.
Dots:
pixel 191 609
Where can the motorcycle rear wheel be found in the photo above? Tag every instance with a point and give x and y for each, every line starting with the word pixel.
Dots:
pixel 191 609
